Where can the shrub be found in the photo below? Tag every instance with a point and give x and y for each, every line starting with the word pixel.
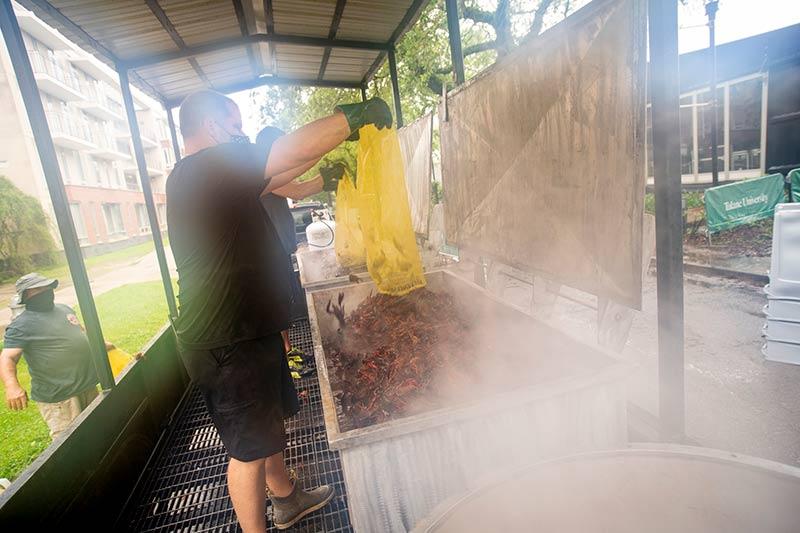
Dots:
pixel 25 239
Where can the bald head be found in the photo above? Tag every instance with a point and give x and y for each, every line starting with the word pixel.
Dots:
pixel 208 118
pixel 201 106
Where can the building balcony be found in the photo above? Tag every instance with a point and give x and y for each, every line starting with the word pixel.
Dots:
pixel 149 142
pixel 92 66
pixel 148 137
pixel 107 151
pixel 152 171
pixel 34 27
pixel 69 132
pixel 53 79
pixel 156 172
pixel 102 107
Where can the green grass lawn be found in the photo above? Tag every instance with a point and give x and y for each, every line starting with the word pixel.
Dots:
pixel 23 434
pixel 130 253
pixel 130 316
pixel 61 271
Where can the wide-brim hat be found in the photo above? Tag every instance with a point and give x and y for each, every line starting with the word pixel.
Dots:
pixel 33 281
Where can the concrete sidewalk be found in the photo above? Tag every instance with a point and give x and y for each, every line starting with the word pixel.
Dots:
pixel 719 259
pixel 735 400
pixel 141 270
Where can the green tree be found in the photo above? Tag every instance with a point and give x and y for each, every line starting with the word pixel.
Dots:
pixel 25 238
pixel 424 64
pixel 423 56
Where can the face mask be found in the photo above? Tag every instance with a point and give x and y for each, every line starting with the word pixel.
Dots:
pixel 240 139
pixel 233 138
pixel 41 302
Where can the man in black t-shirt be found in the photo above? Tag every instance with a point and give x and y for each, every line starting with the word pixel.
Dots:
pixel 234 288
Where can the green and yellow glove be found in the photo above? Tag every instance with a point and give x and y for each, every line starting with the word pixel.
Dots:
pixel 331 174
pixel 373 111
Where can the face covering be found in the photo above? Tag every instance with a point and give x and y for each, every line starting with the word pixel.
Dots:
pixel 41 302
pixel 233 138
pixel 240 139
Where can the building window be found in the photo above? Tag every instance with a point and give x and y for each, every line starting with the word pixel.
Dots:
pixel 745 124
pixel 141 217
pixel 77 219
pixel 738 110
pixel 705 121
pixel 161 209
pixel 70 163
pixel 119 177
pixel 124 147
pixel 162 130
pixel 686 126
pixel 93 215
pixel 113 215
pixel 153 159
pixel 167 152
pixel 132 182
pixel 105 174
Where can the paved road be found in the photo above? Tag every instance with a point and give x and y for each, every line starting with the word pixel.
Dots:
pixel 735 400
pixel 142 269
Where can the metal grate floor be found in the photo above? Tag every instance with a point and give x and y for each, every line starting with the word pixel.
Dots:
pixel 185 488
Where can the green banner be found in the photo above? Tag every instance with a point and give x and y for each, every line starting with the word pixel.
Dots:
pixel 728 206
pixel 794 179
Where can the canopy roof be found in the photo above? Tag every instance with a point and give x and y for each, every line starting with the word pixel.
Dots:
pixel 175 47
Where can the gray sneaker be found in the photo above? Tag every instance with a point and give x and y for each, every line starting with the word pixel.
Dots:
pixel 287 511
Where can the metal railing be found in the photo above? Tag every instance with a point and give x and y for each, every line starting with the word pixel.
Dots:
pixel 61 123
pixel 43 64
pixel 97 92
pixel 124 147
pixel 103 139
pixel 114 106
pixel 154 160
pixel 147 132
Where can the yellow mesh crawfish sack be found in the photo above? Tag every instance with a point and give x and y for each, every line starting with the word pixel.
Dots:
pixel 118 359
pixel 349 242
pixel 393 259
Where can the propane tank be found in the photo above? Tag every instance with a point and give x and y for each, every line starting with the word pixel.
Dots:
pixel 320 233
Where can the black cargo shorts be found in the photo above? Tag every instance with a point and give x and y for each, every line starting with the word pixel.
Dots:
pixel 248 391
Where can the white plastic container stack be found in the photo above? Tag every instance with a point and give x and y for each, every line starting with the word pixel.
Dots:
pixel 782 329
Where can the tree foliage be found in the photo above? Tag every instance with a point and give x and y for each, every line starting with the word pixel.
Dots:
pixel 423 55
pixel 24 231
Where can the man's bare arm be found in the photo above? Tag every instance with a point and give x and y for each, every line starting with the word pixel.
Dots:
pixel 309 143
pixel 16 396
pixel 292 174
pixel 297 190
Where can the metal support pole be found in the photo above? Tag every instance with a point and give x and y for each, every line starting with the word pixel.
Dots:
pixel 173 133
pixel 363 93
pixel 55 185
pixel 764 123
pixel 398 108
pixel 454 33
pixel 147 191
pixel 726 131
pixel 711 11
pixel 665 96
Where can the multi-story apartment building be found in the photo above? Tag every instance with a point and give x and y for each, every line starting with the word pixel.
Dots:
pixel 83 103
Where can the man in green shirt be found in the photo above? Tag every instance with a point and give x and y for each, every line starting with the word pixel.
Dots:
pixel 50 338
